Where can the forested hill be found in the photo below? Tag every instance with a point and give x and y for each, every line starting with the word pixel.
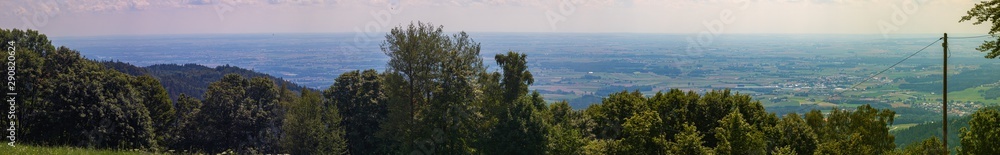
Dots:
pixel 191 79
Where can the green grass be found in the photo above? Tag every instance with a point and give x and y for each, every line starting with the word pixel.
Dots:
pixel 971 94
pixel 901 126
pixel 27 149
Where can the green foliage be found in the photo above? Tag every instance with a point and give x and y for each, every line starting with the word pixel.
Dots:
pixel 430 81
pixel 518 121
pixel 516 76
pixel 642 136
pixel 565 140
pixel 991 94
pixel 796 135
pixel 183 130
pixel 676 109
pixel 986 11
pixel 814 118
pixel 985 74
pixel 562 113
pixel 600 147
pixel 873 124
pixel 361 102
pixel 190 79
pixel 689 142
pixel 918 133
pixel 240 114
pixel 313 127
pixel 613 111
pixel 716 104
pixel 566 135
pixel 75 101
pixel 520 128
pixel 864 131
pixel 982 135
pixel 157 102
pixel 736 136
pixel 785 150
pixel 931 146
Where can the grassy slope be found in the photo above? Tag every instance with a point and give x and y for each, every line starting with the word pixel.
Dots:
pixel 26 149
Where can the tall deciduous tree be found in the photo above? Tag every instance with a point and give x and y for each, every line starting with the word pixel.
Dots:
pixel 362 103
pixel 521 126
pixel 81 103
pixel 157 102
pixel 183 129
pixel 430 81
pixel 313 127
pixel 240 114
pixel 516 77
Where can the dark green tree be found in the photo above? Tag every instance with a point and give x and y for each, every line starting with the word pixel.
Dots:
pixel 736 136
pixel 642 134
pixel 562 113
pixel 313 127
pixel 863 131
pixel 183 129
pixel 157 102
pixel 516 77
pixel 676 109
pixel 520 129
pixel 795 134
pixel 873 124
pixel 983 134
pixel 817 122
pixel 613 111
pixel 717 104
pixel 519 121
pixel 565 136
pixel 361 102
pixel 240 114
pixel 785 150
pixel 931 146
pixel 689 142
pixel 78 102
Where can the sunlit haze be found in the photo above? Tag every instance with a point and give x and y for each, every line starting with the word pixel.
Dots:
pixel 139 17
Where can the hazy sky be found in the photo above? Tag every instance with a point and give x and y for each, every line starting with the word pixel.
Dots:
pixel 137 17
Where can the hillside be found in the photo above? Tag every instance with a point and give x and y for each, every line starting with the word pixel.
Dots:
pixel 190 79
pixel 921 132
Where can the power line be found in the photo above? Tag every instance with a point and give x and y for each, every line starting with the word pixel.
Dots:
pixel 970 37
pixel 886 69
pixel 894 65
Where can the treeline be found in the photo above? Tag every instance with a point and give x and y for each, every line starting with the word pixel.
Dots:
pixel 190 79
pixel 985 74
pixel 616 66
pixel 435 97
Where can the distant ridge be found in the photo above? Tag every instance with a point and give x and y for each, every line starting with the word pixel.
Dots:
pixel 191 79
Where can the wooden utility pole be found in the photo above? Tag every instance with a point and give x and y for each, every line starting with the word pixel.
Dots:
pixel 944 98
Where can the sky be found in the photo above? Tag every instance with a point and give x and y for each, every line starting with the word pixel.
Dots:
pixel 374 17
